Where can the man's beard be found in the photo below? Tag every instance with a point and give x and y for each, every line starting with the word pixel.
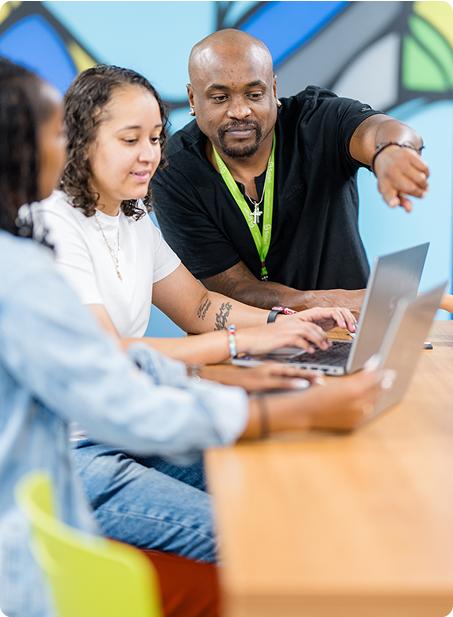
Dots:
pixel 238 151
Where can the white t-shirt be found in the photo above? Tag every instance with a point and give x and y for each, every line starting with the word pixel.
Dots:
pixel 84 259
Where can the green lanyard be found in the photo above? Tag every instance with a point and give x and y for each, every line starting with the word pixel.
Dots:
pixel 262 243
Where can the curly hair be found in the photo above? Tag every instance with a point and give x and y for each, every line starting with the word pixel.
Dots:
pixel 22 110
pixel 83 104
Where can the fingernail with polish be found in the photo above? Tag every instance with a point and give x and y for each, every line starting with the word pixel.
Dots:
pixel 300 384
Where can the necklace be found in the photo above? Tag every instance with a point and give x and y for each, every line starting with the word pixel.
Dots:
pixel 257 212
pixel 115 258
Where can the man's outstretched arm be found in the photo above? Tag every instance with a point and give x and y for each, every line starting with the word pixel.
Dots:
pixel 239 283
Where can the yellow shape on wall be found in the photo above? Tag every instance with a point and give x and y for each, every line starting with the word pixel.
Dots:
pixel 439 14
pixel 81 59
pixel 7 8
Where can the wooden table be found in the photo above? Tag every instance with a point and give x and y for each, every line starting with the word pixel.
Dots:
pixel 345 526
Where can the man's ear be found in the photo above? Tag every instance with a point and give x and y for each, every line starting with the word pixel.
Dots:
pixel 190 94
pixel 191 100
pixel 274 88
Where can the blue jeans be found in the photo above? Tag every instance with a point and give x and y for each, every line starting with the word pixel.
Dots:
pixel 147 501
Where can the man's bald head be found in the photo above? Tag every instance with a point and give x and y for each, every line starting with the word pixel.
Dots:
pixel 222 47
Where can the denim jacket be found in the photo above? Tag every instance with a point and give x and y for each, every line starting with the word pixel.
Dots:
pixel 56 366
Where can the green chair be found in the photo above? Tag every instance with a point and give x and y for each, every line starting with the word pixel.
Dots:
pixel 89 576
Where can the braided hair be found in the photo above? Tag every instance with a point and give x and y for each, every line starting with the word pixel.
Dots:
pixel 22 109
pixel 83 105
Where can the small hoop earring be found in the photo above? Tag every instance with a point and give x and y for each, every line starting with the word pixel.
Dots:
pixel 279 103
pixel 191 111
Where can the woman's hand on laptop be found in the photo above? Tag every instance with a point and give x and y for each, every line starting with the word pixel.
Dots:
pixel 303 329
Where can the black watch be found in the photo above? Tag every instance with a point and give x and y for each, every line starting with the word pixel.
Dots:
pixel 276 310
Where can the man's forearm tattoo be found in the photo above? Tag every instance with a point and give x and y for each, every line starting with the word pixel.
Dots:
pixel 222 316
pixel 203 309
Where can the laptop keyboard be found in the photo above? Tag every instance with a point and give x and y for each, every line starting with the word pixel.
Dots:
pixel 337 355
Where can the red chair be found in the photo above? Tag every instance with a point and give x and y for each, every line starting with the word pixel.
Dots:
pixel 188 588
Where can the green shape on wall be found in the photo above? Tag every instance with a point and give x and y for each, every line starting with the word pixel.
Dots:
pixel 427 58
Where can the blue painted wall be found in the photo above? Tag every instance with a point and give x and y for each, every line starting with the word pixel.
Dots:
pixel 396 56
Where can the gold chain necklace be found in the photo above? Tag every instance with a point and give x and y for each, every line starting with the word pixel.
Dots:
pixel 115 258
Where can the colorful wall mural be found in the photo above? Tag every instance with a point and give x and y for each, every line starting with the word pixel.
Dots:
pixel 396 56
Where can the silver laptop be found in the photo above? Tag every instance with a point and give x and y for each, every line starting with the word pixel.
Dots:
pixel 393 277
pixel 403 343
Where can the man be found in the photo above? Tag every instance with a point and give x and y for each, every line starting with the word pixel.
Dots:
pixel 284 218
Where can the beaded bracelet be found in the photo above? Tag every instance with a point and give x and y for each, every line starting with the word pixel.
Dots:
pixel 232 341
pixel 386 144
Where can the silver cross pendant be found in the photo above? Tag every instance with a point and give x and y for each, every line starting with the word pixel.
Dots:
pixel 256 214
